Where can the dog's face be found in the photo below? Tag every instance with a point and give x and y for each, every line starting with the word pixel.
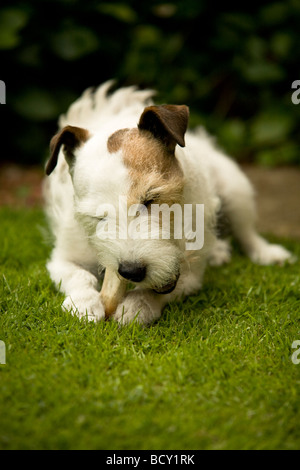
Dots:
pixel 117 180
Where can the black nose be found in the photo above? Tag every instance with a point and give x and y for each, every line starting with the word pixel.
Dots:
pixel 134 272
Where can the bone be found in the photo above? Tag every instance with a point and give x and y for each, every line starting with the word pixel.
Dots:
pixel 112 291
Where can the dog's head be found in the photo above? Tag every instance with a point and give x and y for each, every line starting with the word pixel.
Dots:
pixel 118 178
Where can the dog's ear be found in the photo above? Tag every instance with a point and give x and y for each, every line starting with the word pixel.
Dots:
pixel 70 137
pixel 167 123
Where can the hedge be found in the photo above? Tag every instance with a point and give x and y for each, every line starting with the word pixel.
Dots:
pixel 233 64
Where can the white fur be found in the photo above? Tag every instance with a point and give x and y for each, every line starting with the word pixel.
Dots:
pixel 79 257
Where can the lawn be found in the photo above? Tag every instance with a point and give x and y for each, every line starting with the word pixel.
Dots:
pixel 215 372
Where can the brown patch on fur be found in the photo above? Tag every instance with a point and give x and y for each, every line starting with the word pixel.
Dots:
pixel 149 153
pixel 154 171
pixel 115 140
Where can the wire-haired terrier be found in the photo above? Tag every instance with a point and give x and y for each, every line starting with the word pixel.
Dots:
pixel 134 195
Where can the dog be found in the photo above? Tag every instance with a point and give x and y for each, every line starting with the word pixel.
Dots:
pixel 120 144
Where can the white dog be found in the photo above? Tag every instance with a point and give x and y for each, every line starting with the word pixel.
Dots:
pixel 122 145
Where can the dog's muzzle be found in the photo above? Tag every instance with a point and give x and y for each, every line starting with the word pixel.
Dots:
pixel 136 272
pixel 167 288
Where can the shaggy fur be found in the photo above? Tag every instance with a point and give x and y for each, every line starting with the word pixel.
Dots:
pixel 122 145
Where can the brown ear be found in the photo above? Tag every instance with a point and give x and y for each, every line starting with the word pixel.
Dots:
pixel 167 123
pixel 70 137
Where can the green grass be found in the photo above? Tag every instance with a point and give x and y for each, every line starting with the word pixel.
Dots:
pixel 215 372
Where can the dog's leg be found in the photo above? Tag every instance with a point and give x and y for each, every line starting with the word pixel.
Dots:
pixel 220 253
pixel 145 306
pixel 239 206
pixel 80 286
pixel 141 305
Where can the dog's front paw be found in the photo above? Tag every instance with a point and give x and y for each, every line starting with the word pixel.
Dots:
pixel 85 305
pixel 139 305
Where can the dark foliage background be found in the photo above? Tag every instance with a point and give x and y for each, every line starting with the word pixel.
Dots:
pixel 233 64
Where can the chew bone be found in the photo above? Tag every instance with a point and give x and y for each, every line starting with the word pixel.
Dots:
pixel 112 291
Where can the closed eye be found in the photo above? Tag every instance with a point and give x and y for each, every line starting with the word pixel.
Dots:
pixel 150 198
pixel 148 202
pixel 99 218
